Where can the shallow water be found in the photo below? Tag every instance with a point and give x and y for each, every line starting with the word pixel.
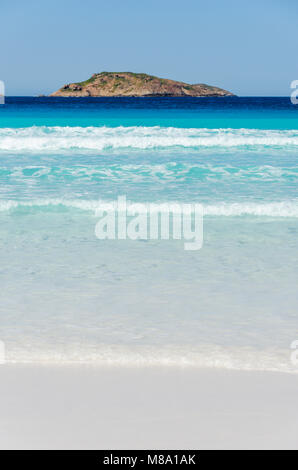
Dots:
pixel 67 296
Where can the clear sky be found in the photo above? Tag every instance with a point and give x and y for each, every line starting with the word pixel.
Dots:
pixel 246 46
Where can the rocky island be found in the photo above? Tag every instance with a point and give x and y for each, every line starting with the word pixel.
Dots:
pixel 136 84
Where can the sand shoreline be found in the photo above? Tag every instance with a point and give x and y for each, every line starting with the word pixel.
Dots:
pixel 87 407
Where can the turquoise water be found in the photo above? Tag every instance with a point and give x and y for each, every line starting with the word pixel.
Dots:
pixel 67 296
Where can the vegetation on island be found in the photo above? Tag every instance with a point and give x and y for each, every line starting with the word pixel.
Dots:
pixel 135 84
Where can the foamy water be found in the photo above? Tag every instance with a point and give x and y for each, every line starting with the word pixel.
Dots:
pixel 275 210
pixel 61 139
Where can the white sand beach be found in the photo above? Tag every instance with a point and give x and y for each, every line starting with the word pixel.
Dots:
pixel 84 407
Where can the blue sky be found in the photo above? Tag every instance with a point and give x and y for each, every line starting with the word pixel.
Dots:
pixel 248 47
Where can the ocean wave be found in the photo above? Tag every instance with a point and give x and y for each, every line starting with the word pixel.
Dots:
pixel 273 209
pixel 142 172
pixel 225 209
pixel 209 356
pixel 61 139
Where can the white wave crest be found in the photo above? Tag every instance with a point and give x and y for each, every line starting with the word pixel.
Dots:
pixel 273 209
pixel 226 209
pixel 61 139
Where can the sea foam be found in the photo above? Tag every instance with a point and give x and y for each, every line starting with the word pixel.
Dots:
pixel 61 139
pixel 226 209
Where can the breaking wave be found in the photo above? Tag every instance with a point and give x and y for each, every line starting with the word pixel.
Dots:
pixel 226 209
pixel 61 139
